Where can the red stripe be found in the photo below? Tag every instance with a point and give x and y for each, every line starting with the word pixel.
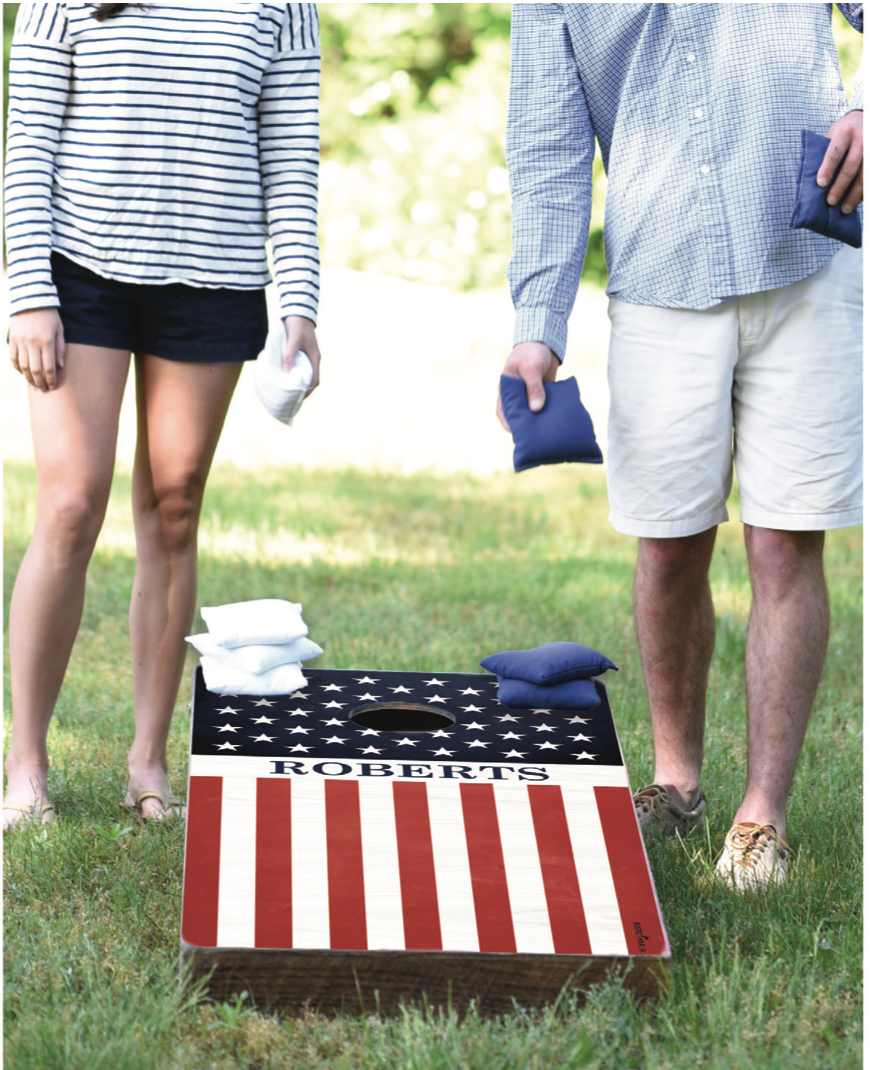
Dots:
pixel 416 868
pixel 561 886
pixel 344 865
pixel 202 859
pixel 492 907
pixel 273 917
pixel 638 906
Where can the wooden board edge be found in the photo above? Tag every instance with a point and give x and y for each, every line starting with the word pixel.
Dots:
pixel 297 980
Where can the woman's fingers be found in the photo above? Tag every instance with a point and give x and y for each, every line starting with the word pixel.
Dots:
pixel 37 347
pixel 301 335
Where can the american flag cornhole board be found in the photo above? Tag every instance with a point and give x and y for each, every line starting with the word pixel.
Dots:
pixel 387 836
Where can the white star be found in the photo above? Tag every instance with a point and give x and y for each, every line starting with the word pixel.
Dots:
pixel 435 698
pixel 473 709
pixel 441 732
pixel 300 747
pixel 542 727
pixel 226 728
pixel 369 732
pixel 508 717
pixel 405 742
pixel 441 750
pixel 229 709
pixel 473 724
pixel 547 745
pixel 333 705
pixel 511 735
pixel 434 683
pixel 262 720
pixel 334 739
pixel 368 697
pixel 540 711
pixel 335 721
pixel 579 720
pixel 515 754
pixel 298 712
pixel 476 743
pixel 469 691
pixel 580 737
pixel 366 680
pixel 297 730
pixel 263 739
pixel 226 746
pixel 300 694
pixel 371 750
pixel 396 690
pixel 263 702
pixel 333 687
pixel 586 755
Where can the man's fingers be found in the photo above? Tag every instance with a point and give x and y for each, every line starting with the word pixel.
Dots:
pixel 856 193
pixel 847 175
pixel 846 149
pixel 535 394
pixel 831 161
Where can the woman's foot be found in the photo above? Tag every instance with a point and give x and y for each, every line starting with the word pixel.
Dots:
pixel 149 796
pixel 26 800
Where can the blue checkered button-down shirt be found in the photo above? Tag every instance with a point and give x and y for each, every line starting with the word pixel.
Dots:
pixel 698 110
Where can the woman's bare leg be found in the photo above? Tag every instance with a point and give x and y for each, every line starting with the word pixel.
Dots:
pixel 181 409
pixel 75 429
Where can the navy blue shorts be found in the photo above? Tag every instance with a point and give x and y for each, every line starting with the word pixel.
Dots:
pixel 174 321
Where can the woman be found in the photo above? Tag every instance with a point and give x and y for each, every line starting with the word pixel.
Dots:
pixel 151 150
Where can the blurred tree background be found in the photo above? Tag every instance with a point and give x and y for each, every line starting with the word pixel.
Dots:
pixel 414 98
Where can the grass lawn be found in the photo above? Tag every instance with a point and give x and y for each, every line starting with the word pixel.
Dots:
pixel 425 573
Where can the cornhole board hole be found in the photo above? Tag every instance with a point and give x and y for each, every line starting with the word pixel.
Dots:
pixel 392 836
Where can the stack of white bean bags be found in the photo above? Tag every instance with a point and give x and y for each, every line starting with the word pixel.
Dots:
pixel 254 648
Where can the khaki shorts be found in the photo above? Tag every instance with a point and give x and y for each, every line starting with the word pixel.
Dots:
pixel 769 384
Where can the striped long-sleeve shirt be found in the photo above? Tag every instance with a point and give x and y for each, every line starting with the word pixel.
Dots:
pixel 165 144
pixel 698 109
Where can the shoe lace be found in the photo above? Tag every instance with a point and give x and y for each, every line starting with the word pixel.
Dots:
pixel 752 841
pixel 651 797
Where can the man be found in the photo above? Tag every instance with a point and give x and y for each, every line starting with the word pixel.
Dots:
pixel 734 339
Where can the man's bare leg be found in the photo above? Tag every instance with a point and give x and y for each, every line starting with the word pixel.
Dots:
pixel 676 630
pixel 785 653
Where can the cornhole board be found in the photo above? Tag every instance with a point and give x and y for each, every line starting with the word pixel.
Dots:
pixel 381 837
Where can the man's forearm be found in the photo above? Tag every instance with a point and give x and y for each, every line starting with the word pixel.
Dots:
pixel 550 148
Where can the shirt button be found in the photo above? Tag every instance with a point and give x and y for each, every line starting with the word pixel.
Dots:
pixel 699 113
pixel 691 57
pixel 705 170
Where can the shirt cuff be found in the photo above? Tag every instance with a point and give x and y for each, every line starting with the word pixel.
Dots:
pixel 542 325
pixel 857 101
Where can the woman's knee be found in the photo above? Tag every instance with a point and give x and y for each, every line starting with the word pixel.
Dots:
pixel 69 519
pixel 175 506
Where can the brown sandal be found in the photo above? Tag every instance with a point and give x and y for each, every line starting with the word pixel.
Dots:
pixel 171 807
pixel 30 810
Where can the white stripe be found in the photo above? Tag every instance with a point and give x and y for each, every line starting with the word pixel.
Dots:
pixel 523 870
pixel 236 903
pixel 308 848
pixel 383 892
pixel 606 936
pixel 452 873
